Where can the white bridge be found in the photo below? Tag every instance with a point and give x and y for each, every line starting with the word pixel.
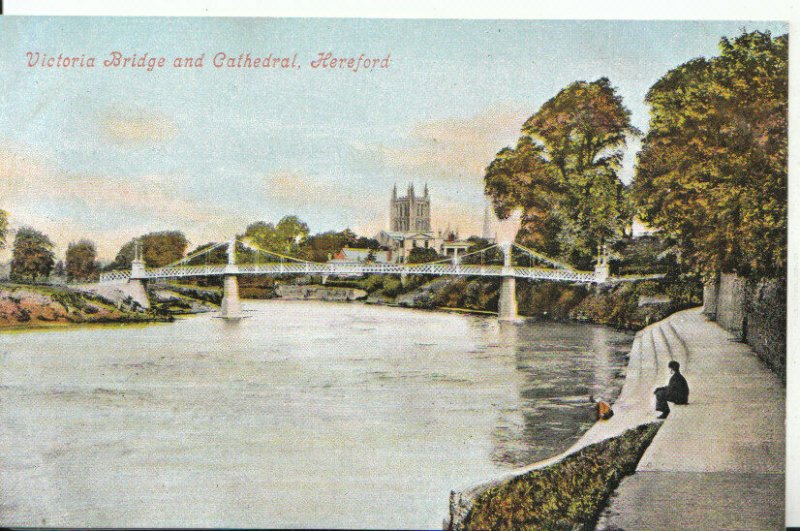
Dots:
pixel 285 265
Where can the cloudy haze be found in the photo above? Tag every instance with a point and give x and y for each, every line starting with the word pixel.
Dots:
pixel 109 154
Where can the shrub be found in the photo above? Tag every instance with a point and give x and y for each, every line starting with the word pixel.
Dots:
pixel 567 495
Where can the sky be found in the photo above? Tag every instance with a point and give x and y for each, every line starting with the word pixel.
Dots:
pixel 112 153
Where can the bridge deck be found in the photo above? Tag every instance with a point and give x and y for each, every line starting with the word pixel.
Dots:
pixel 309 268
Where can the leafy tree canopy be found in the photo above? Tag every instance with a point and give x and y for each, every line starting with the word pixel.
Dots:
pixel 286 237
pixel 3 228
pixel 32 256
pixel 81 261
pixel 158 249
pixel 564 173
pixel 713 167
pixel 421 255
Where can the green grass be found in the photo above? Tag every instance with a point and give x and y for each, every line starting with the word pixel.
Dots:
pixel 567 495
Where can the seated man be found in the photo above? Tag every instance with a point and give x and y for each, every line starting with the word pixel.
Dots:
pixel 677 391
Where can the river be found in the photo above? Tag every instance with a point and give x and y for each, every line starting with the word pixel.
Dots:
pixel 303 414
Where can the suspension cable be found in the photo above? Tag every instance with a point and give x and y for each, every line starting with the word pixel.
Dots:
pixel 271 253
pixel 541 257
pixel 196 254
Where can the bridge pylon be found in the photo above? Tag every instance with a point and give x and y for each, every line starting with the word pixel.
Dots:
pixel 136 287
pixel 507 303
pixel 230 307
pixel 601 268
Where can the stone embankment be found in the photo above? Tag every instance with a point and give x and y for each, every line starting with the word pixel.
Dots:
pixel 715 463
pixel 319 293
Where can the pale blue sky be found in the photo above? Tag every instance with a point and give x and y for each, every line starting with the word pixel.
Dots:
pixel 110 153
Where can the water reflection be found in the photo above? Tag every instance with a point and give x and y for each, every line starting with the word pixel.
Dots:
pixel 559 368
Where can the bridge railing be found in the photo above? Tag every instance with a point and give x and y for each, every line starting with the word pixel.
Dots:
pixel 111 277
pixel 357 269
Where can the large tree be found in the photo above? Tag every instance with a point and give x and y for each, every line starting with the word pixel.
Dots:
pixel 3 228
pixel 564 172
pixel 713 168
pixel 32 256
pixel 319 247
pixel 284 238
pixel 158 249
pixel 81 261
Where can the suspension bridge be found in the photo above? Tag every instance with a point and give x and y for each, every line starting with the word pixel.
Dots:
pixel 263 262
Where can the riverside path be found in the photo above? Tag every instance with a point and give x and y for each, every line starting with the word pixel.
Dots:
pixel 718 462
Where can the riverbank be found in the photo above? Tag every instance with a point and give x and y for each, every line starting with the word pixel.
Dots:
pixel 627 306
pixel 32 306
pixel 713 463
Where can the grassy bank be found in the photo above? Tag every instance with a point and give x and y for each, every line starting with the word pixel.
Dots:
pixel 570 494
pixel 33 306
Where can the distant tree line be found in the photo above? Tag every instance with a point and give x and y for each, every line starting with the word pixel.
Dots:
pixel 33 256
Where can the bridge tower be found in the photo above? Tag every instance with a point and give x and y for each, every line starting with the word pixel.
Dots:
pixel 136 287
pixel 507 304
pixel 230 308
pixel 601 270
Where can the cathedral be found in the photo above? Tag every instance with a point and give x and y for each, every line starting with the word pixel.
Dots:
pixel 410 213
pixel 410 227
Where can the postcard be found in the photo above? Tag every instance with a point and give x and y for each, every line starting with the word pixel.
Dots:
pixel 393 273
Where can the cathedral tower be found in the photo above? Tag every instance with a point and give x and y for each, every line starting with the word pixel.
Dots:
pixel 410 213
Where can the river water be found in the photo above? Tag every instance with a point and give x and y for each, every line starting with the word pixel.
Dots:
pixel 303 414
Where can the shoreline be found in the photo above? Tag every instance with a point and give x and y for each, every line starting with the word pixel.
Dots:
pixel 462 501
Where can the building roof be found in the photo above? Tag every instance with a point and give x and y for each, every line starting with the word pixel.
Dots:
pixel 461 244
pixel 356 255
pixel 399 236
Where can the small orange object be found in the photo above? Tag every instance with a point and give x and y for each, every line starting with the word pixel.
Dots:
pixel 604 411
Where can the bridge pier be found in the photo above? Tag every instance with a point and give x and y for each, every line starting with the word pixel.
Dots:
pixel 230 307
pixel 136 288
pixel 507 303
pixel 601 268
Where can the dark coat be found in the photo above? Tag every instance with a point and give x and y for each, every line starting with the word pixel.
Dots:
pixel 678 389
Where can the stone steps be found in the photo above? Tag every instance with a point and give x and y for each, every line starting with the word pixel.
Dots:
pixel 717 462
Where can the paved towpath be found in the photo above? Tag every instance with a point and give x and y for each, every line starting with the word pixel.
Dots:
pixel 716 463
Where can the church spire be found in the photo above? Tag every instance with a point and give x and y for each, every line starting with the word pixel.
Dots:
pixel 426 189
pixel 394 191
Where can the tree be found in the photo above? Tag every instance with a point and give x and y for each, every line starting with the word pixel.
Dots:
pixel 421 255
pixel 291 232
pixel 712 172
pixel 564 173
pixel 32 256
pixel 286 237
pixel 158 249
pixel 319 246
pixel 215 256
pixel 3 228
pixel 59 270
pixel 362 242
pixel 493 256
pixel 81 261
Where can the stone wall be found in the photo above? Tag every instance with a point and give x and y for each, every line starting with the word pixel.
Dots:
pixel 754 312
pixel 710 292
pixel 288 291
pixel 765 328
pixel 731 303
